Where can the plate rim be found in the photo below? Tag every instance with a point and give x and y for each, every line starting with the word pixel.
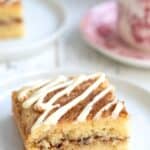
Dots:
pixel 35 46
pixel 122 59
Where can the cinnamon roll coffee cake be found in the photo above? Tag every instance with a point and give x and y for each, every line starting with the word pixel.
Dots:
pixel 11 22
pixel 71 113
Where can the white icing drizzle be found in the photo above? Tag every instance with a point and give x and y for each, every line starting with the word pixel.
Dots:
pixel 66 86
pixel 47 104
pixel 42 92
pixel 83 115
pixel 117 109
pixel 35 86
pixel 105 108
pixel 62 110
pixel 66 91
pixel 54 118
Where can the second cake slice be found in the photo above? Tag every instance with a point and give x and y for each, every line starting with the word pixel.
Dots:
pixel 11 20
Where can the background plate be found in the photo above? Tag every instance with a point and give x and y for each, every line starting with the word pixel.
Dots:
pixel 137 101
pixel 44 22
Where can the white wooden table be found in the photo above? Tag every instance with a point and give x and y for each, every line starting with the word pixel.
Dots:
pixel 71 52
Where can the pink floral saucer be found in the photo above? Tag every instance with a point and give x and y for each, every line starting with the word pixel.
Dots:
pixel 99 29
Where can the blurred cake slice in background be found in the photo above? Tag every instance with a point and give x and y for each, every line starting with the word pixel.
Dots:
pixel 11 22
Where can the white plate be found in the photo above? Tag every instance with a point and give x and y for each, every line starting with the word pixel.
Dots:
pixel 44 22
pixel 137 101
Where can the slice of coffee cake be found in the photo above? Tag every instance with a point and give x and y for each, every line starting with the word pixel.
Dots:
pixel 11 23
pixel 71 113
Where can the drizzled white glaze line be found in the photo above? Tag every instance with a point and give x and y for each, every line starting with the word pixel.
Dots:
pixel 66 91
pixel 43 91
pixel 43 105
pixel 106 107
pixel 117 109
pixel 54 118
pixel 40 120
pixel 40 94
pixel 83 115
pixel 49 105
pixel 35 86
pixel 38 99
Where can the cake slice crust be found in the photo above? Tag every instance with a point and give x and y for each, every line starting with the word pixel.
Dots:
pixel 71 113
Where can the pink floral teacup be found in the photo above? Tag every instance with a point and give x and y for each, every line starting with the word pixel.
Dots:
pixel 134 23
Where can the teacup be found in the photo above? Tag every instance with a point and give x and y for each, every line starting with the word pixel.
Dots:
pixel 134 23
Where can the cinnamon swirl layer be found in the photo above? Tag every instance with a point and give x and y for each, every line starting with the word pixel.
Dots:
pixel 11 30
pixel 10 21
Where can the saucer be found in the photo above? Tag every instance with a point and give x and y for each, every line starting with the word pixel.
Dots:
pixel 99 30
